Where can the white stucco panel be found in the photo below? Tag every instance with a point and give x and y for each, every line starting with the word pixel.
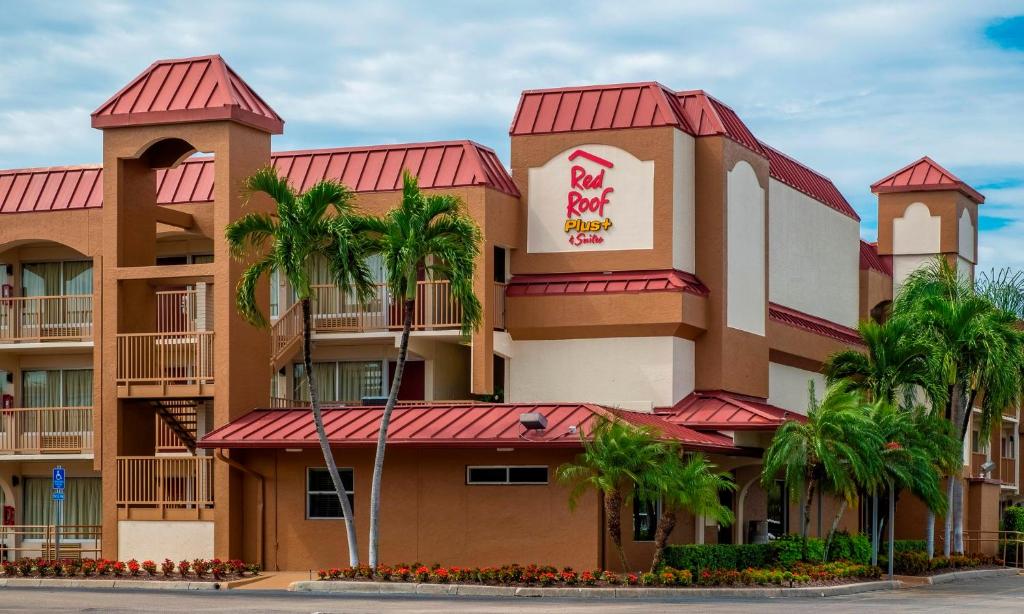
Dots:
pixel 637 373
pixel 787 387
pixel 745 216
pixel 683 199
pixel 903 266
pixel 966 236
pixel 917 232
pixel 813 254
pixel 591 198
pixel 159 539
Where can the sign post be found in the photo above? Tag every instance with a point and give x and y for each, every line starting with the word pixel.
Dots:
pixel 58 512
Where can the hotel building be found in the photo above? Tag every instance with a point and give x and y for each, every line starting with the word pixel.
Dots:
pixel 646 256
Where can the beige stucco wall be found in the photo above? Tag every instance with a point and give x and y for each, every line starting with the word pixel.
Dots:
pixel 684 253
pixel 159 539
pixel 745 253
pixel 787 386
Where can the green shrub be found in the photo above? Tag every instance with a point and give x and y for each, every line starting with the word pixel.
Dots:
pixel 852 548
pixel 1013 518
pixel 906 545
pixel 790 549
pixel 699 557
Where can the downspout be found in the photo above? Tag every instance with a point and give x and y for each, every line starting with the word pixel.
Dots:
pixel 219 453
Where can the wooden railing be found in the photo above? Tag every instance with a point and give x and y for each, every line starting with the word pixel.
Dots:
pixel 41 541
pixel 166 439
pixel 285 403
pixel 434 308
pixel 498 306
pixel 165 358
pixel 285 331
pixel 165 482
pixel 46 318
pixel 46 430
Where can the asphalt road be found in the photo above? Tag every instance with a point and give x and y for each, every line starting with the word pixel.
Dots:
pixel 991 596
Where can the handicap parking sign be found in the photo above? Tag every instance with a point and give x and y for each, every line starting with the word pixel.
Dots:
pixel 58 495
pixel 58 479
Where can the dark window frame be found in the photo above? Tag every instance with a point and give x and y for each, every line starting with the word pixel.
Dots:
pixel 508 475
pixel 331 492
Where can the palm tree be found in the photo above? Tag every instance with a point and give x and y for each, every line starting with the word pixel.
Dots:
pixel 617 461
pixel 835 448
pixel 978 350
pixel 899 361
pixel 307 227
pixel 690 484
pixel 433 235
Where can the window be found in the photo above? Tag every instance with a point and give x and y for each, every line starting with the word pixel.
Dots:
pixel 56 278
pixel 778 517
pixel 342 382
pixel 56 388
pixel 507 475
pixel 321 498
pixel 645 520
pixel 976 442
pixel 82 498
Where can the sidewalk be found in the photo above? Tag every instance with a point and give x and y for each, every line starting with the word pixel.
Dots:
pixel 277 580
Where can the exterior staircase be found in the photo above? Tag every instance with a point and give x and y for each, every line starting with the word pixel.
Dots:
pixel 178 416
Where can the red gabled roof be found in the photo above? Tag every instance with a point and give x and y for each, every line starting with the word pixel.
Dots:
pixel 441 425
pixel 45 189
pixel 709 116
pixel 726 411
pixel 597 107
pixel 925 174
pixel 812 324
pixel 871 261
pixel 669 280
pixel 202 88
pixel 805 179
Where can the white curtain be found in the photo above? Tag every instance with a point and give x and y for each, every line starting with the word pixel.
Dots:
pixel 342 382
pixel 82 502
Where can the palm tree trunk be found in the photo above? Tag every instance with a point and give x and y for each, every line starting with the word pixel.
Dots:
pixel 382 434
pixel 325 445
pixel 613 514
pixel 835 525
pixel 807 516
pixel 930 534
pixel 947 544
pixel 874 529
pixel 958 516
pixel 666 524
pixel 891 521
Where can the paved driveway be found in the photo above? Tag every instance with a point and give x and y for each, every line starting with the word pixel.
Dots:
pixel 991 596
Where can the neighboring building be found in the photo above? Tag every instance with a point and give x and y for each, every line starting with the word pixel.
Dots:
pixel 646 257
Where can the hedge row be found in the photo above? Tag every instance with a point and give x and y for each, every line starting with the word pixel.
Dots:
pixel 785 551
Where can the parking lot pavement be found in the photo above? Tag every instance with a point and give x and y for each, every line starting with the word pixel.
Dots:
pixel 991 595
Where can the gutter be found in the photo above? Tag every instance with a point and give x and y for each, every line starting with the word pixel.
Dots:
pixel 219 454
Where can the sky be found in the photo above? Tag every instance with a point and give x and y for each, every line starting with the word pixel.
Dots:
pixel 855 90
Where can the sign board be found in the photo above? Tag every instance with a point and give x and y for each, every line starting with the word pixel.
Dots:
pixel 58 477
pixel 591 198
pixel 58 495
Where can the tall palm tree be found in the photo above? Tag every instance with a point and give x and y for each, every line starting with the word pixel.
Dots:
pixel 434 235
pixel 836 448
pixel 978 350
pixel 689 484
pixel 899 361
pixel 617 461
pixel 306 227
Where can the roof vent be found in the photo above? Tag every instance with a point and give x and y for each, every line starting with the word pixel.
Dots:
pixel 374 401
pixel 533 421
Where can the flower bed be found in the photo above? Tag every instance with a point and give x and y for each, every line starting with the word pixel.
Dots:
pixel 914 563
pixel 535 575
pixel 214 570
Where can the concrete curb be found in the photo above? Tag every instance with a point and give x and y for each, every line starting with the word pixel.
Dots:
pixel 969 574
pixel 139 585
pixel 571 592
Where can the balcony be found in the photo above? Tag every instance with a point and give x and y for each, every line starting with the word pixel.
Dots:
pixel 336 312
pixel 46 431
pixel 499 305
pixel 165 488
pixel 152 365
pixel 46 319
pixel 1008 472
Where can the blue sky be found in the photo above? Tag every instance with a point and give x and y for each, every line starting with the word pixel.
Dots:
pixel 854 89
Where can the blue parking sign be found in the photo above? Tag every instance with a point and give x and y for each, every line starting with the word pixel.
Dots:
pixel 58 479
pixel 58 495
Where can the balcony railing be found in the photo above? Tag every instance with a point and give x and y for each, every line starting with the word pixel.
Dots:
pixel 156 487
pixel 45 318
pixel 46 430
pixel 50 542
pixel 165 359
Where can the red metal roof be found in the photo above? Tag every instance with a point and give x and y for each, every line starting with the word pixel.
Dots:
pixel 870 260
pixel 604 283
pixel 720 410
pixel 185 90
pixel 709 116
pixel 597 107
pixel 441 425
pixel 804 179
pixel 44 189
pixel 925 174
pixel 813 324
pixel 369 169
